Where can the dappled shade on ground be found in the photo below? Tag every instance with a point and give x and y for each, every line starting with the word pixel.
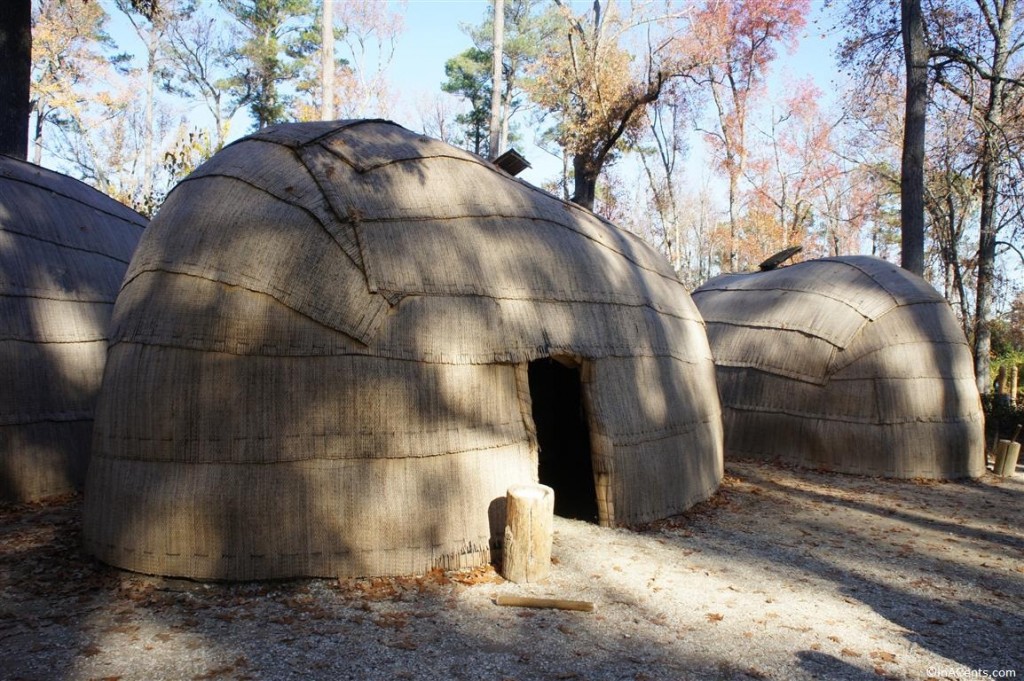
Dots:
pixel 787 573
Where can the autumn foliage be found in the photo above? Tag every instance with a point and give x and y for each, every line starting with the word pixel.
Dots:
pixel 674 119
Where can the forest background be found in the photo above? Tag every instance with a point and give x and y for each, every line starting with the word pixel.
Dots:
pixel 721 131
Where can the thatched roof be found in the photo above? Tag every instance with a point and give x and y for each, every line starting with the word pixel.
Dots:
pixel 64 248
pixel 849 364
pixel 320 362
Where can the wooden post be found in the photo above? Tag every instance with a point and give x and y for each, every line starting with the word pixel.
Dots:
pixel 1010 460
pixel 530 511
pixel 1000 456
pixel 1007 453
pixel 1014 384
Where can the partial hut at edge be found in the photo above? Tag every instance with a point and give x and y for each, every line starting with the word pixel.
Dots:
pixel 849 364
pixel 340 343
pixel 64 248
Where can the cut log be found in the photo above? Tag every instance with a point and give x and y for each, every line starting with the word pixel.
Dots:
pixel 1006 461
pixel 530 511
pixel 998 454
pixel 556 603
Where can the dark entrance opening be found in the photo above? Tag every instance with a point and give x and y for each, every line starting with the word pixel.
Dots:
pixel 563 438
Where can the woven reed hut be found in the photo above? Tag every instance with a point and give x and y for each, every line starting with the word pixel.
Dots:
pixel 340 343
pixel 848 364
pixel 64 248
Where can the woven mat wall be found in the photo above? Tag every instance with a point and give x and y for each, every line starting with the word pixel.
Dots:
pixel 849 364
pixel 339 316
pixel 64 248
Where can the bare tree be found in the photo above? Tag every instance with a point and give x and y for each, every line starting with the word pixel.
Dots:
pixel 203 61
pixel 980 61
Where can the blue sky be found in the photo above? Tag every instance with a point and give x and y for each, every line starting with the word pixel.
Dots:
pixel 432 35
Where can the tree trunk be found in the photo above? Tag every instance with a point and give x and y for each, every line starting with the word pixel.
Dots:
pixel 955 264
pixel 988 226
pixel 506 111
pixel 37 137
pixel 496 59
pixel 15 76
pixel 733 219
pixel 327 61
pixel 912 169
pixel 219 123
pixel 149 134
pixel 584 182
pixel 986 268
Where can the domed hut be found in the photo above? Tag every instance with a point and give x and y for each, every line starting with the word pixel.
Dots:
pixel 64 248
pixel 849 364
pixel 340 343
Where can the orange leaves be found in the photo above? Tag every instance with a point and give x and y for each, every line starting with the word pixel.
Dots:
pixel 587 78
pixel 64 53
pixel 747 31
pixel 596 82
pixel 393 588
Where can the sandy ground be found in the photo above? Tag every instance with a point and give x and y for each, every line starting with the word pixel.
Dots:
pixel 785 574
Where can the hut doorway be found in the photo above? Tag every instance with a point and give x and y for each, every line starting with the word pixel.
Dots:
pixel 563 437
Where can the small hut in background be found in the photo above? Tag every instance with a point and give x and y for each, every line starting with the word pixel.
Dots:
pixel 64 248
pixel 848 364
pixel 339 344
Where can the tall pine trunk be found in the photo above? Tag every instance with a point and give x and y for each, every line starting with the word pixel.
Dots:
pixel 496 141
pixel 327 61
pixel 989 226
pixel 987 240
pixel 15 76
pixel 912 169
pixel 149 133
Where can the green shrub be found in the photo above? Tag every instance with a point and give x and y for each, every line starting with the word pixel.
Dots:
pixel 1000 417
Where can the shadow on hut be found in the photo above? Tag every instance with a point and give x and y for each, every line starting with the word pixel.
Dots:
pixel 321 366
pixel 848 364
pixel 64 248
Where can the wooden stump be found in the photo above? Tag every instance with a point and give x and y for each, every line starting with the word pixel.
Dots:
pixel 998 454
pixel 530 511
pixel 1006 458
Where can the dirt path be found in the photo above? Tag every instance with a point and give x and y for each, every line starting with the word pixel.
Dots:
pixel 785 574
